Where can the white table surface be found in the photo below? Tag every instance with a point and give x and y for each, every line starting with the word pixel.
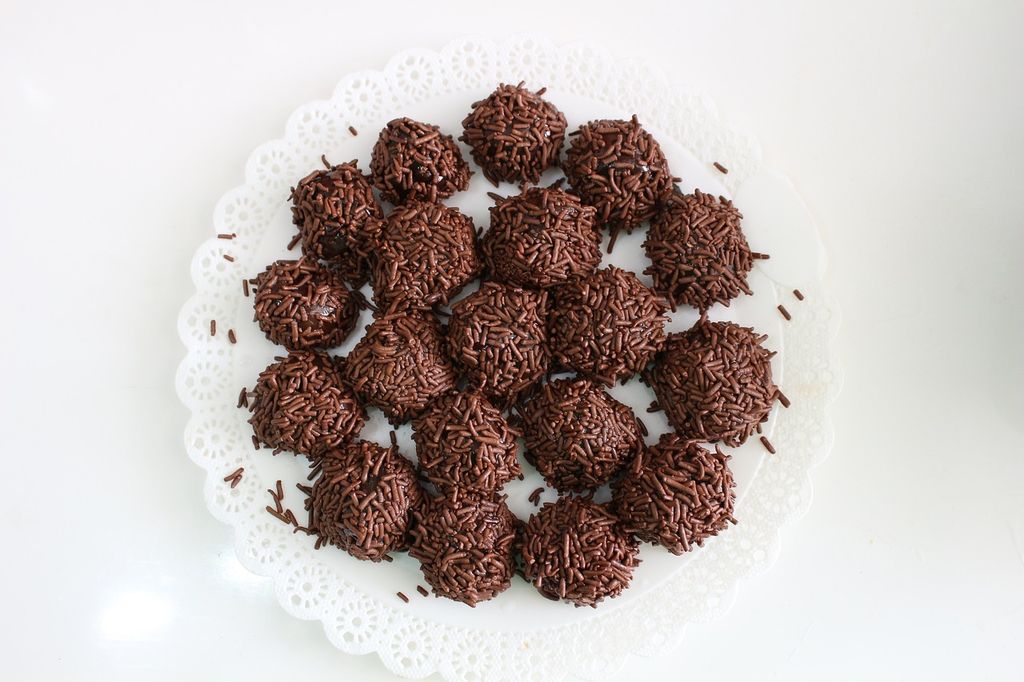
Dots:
pixel 901 123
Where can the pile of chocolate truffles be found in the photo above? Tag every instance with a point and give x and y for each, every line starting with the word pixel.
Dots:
pixel 477 381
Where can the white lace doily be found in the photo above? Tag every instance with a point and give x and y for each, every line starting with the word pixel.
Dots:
pixel 514 637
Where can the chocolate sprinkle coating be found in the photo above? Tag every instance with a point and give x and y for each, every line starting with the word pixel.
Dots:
pixel 364 499
pixel 304 305
pixel 577 435
pixel 400 365
pixel 619 168
pixel 463 441
pixel 676 494
pixel 541 238
pixel 576 550
pixel 301 404
pixel 425 255
pixel 465 545
pixel 414 161
pixel 338 218
pixel 514 134
pixel 698 253
pixel 497 338
pixel 714 382
pixel 607 325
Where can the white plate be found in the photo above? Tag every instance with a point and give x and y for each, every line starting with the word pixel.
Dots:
pixel 518 635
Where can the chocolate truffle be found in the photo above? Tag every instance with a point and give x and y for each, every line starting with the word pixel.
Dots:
pixel 617 167
pixel 515 135
pixel 304 305
pixel 607 325
pixel 577 435
pixel 300 404
pixel 464 543
pixel 363 500
pixel 415 161
pixel 497 338
pixel 541 238
pixel 400 365
pixel 338 218
pixel 462 440
pixel 574 549
pixel 714 382
pixel 698 253
pixel 676 494
pixel 425 255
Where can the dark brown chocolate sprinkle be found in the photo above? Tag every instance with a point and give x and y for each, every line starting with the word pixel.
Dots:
pixel 300 404
pixel 294 241
pixel 426 254
pixel 353 131
pixel 541 238
pixel 422 590
pixel 497 337
pixel 676 494
pixel 577 435
pixel 799 296
pixel 226 236
pixel 534 497
pixel 213 327
pixel 767 444
pixel 303 305
pixel 721 169
pixel 245 287
pixel 400 365
pixel 228 258
pixel 607 326
pixel 575 550
pixel 698 253
pixel 414 161
pixel 514 134
pixel 618 167
pixel 364 499
pixel 463 440
pixel 231 336
pixel 759 256
pixel 234 477
pixel 782 398
pixel 243 398
pixel 464 543
pixel 402 596
pixel 785 313
pixel 714 382
pixel 255 443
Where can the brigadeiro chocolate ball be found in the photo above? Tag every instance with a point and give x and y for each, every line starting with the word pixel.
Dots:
pixel 618 167
pixel 676 494
pixel 414 161
pixel 541 238
pixel 463 441
pixel 607 325
pixel 575 550
pixel 363 500
pixel 304 305
pixel 698 253
pixel 300 404
pixel 515 135
pixel 498 339
pixel 338 218
pixel 400 365
pixel 577 435
pixel 425 255
pixel 714 382
pixel 464 543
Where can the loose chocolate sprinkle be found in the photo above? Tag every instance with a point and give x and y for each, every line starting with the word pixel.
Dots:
pixel 226 236
pixel 714 382
pixel 654 406
pixel 400 365
pixel 534 497
pixel 426 254
pixel 721 169
pixel 643 427
pixel 231 336
pixel 785 313
pixel 767 445
pixel 577 435
pixel 782 398
pixel 294 240
pixel 799 296
pixel 301 404
pixel 234 477
pixel 414 161
pixel 422 590
pixel 514 134
pixel 243 398
pixel 213 327
pixel 255 443
pixel 353 131
pixel 230 259
pixel 574 549
pixel 617 167
pixel 698 253
pixel 338 219
pixel 607 325
pixel 464 543
pixel 541 238
pixel 463 440
pixel 402 597
pixel 245 287
pixel 303 305
pixel 759 256
pixel 676 494
pixel 497 337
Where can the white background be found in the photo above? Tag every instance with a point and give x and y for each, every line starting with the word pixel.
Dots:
pixel 901 123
